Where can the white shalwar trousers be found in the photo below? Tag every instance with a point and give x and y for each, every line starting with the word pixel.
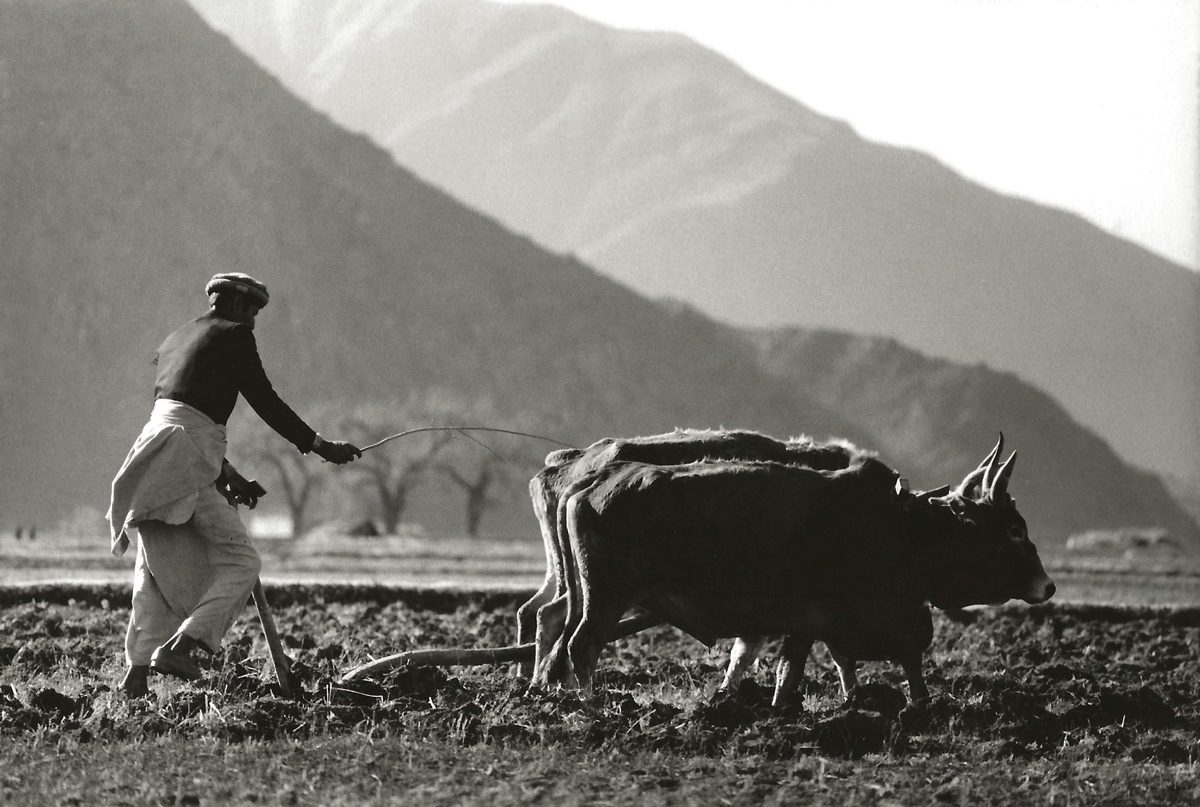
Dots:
pixel 190 579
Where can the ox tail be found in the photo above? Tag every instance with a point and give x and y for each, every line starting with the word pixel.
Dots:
pixel 478 656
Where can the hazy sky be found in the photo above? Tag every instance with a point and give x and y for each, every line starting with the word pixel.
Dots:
pixel 1089 105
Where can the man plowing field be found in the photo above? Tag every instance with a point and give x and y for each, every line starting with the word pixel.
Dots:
pixel 195 565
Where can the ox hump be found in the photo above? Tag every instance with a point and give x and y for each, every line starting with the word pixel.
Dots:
pixel 872 473
pixel 562 456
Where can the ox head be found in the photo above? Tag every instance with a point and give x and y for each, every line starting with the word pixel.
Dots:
pixel 980 541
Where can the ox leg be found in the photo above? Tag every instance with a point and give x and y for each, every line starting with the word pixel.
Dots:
pixel 789 675
pixel 551 621
pixel 917 690
pixel 847 671
pixel 571 583
pixel 744 653
pixel 527 616
pixel 558 620
pixel 603 596
pixel 599 621
pixel 545 510
pixel 602 601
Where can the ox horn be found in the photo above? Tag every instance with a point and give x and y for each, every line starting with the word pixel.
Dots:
pixel 991 461
pixel 984 473
pixel 970 481
pixel 999 485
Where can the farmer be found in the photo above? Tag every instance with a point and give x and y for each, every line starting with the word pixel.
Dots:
pixel 195 567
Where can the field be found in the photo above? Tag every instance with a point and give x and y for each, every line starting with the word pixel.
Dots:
pixel 517 563
pixel 1059 704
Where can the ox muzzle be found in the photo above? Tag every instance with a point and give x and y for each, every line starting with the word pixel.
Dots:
pixel 1040 590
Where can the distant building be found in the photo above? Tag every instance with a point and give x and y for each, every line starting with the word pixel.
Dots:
pixel 1126 541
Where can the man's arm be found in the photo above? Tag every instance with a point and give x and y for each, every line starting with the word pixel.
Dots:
pixel 256 388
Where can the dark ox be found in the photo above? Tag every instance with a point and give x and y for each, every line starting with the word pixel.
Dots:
pixel 547 611
pixel 731 548
pixel 543 616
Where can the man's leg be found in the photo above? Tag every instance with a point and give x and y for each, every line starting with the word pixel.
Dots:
pixel 234 565
pixel 152 620
pixel 176 561
pixel 149 616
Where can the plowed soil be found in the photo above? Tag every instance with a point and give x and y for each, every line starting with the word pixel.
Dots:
pixel 1090 705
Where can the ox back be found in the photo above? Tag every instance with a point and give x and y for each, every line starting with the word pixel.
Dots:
pixel 567 466
pixel 697 445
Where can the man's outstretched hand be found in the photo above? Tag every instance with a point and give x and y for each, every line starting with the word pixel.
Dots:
pixel 335 451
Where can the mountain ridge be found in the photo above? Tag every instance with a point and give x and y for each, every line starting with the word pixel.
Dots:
pixel 934 416
pixel 617 147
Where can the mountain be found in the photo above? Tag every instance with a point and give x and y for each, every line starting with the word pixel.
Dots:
pixel 669 168
pixel 935 419
pixel 140 152
pixel 1187 494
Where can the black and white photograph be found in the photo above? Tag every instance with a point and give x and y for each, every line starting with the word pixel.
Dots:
pixel 579 402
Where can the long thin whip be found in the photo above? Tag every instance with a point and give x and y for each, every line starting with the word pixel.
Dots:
pixel 462 429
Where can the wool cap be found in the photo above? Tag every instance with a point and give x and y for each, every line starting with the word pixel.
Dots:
pixel 238 282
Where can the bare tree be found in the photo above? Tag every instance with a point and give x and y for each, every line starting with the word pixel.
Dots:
pixel 391 473
pixel 297 477
pixel 487 464
pixel 478 465
pixel 489 472
pixel 299 480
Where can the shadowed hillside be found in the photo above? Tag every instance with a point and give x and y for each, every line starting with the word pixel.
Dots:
pixel 936 419
pixel 669 168
pixel 140 152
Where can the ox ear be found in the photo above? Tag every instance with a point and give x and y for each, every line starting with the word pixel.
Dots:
pixel 999 487
pixel 936 493
pixel 991 461
pixel 902 486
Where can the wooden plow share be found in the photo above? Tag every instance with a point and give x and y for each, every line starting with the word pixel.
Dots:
pixel 476 656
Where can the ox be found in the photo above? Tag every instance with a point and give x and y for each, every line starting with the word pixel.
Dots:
pixel 545 613
pixel 732 548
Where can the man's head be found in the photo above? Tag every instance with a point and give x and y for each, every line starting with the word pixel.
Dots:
pixel 237 296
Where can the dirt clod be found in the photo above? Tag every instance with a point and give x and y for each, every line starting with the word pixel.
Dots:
pixel 54 702
pixel 881 698
pixel 852 733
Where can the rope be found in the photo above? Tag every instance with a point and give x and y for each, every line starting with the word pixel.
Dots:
pixel 462 430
